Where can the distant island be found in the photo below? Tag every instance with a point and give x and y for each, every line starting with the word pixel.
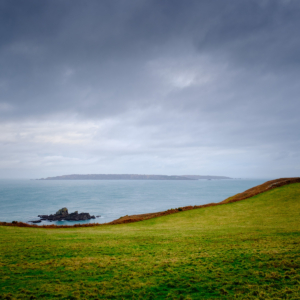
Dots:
pixel 132 177
pixel 197 177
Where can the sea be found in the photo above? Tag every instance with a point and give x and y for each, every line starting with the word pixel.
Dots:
pixel 24 200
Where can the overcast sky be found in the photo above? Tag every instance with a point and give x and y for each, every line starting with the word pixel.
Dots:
pixel 206 87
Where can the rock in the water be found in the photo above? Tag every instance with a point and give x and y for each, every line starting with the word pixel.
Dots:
pixel 75 216
pixel 63 214
pixel 63 211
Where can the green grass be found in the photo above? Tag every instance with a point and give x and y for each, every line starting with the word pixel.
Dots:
pixel 244 250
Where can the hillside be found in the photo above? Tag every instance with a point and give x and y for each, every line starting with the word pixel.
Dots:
pixel 244 250
pixel 269 185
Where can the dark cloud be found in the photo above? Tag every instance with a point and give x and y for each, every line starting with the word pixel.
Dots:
pixel 214 79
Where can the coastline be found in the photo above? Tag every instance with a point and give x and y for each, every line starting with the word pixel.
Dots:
pixel 269 185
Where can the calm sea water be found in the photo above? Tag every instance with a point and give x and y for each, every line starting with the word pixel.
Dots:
pixel 23 200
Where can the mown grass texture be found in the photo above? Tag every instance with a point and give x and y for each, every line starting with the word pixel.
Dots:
pixel 243 250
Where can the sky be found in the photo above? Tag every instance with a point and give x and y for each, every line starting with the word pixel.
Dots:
pixel 150 87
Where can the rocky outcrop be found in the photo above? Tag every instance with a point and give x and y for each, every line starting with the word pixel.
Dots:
pixel 63 215
pixel 62 212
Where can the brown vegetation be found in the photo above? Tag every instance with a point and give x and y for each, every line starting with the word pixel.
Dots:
pixel 261 188
pixel 136 218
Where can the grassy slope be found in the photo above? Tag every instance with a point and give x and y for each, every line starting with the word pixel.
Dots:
pixel 248 250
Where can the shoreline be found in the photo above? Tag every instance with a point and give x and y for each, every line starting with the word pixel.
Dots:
pixel 269 185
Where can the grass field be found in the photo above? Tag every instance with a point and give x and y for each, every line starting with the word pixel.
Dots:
pixel 243 250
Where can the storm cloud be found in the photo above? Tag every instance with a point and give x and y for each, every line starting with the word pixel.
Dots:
pixel 150 87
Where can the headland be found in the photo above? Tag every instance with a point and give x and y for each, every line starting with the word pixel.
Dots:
pixel 132 177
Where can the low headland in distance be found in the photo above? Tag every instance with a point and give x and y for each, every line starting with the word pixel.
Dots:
pixel 132 177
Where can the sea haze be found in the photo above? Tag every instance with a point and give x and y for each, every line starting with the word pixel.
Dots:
pixel 24 200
